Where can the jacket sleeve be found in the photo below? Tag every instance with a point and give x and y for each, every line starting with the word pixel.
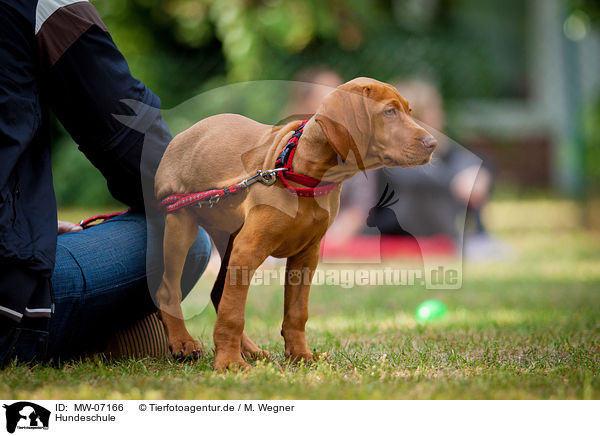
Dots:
pixel 88 83
pixel 20 115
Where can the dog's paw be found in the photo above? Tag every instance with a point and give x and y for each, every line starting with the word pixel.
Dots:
pixel 223 363
pixel 251 351
pixel 257 354
pixel 186 348
pixel 306 357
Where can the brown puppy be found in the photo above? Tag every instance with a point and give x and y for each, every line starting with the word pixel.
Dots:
pixel 363 124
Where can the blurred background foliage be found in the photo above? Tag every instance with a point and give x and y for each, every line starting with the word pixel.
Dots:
pixel 591 110
pixel 180 48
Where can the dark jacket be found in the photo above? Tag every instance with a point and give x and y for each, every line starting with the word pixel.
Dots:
pixel 58 55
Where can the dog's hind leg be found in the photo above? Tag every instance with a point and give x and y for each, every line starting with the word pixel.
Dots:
pixel 250 248
pixel 181 229
pixel 224 243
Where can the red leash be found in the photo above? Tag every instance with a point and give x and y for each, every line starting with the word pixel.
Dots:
pixel 175 202
pixel 283 170
pixel 84 224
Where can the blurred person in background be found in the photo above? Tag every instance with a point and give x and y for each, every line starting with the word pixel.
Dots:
pixel 67 295
pixel 311 87
pixel 426 201
pixel 433 198
pixel 358 193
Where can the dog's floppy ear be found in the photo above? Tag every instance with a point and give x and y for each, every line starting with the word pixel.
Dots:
pixel 345 119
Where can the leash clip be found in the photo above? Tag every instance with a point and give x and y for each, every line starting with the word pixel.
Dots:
pixel 269 177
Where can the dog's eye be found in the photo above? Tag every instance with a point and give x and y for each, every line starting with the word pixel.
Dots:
pixel 390 112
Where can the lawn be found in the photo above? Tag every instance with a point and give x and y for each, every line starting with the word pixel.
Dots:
pixel 528 328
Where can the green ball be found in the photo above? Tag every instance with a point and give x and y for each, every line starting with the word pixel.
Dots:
pixel 430 310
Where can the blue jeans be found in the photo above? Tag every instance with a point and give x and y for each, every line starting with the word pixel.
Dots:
pixel 101 281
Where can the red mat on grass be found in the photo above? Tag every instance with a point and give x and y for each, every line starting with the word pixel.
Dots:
pixel 386 247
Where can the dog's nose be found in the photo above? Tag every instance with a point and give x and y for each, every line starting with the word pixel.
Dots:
pixel 429 143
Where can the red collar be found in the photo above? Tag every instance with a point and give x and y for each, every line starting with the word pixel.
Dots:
pixel 284 160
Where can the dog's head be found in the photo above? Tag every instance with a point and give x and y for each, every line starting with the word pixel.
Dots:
pixel 368 123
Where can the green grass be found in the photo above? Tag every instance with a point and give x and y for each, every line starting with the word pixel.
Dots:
pixel 527 328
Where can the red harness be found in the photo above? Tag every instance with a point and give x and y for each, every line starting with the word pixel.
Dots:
pixel 283 171
pixel 284 160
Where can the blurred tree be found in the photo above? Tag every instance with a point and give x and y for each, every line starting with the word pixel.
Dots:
pixel 587 13
pixel 592 134
pixel 591 8
pixel 180 48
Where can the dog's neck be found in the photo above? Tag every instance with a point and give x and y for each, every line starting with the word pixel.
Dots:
pixel 316 158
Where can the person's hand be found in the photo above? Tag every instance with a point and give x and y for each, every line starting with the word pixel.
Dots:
pixel 347 225
pixel 67 227
pixel 471 186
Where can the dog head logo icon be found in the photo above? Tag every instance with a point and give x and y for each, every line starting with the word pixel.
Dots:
pixel 26 415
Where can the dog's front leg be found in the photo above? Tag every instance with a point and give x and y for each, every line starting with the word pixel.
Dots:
pixel 224 243
pixel 248 252
pixel 299 273
pixel 181 229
